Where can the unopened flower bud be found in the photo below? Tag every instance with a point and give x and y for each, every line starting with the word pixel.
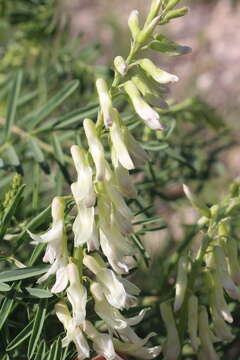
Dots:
pixel 224 227
pixel 171 4
pixel 149 116
pixel 181 283
pixel 196 202
pixel 133 23
pixel 96 148
pixel 220 328
pixel 193 322
pixel 154 10
pixel 176 13
pixel 160 76
pixel 105 101
pixel 120 65
pixel 172 346
pixel 147 31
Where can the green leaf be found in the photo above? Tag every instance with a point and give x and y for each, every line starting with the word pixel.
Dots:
pixel 39 293
pixel 12 104
pixel 13 159
pixel 42 113
pixel 23 273
pixel 38 154
pixel 4 287
pixel 55 352
pixel 41 351
pixel 164 45
pixel 37 329
pixel 5 310
pixel 21 337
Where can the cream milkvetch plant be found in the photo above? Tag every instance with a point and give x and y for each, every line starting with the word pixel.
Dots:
pixel 103 252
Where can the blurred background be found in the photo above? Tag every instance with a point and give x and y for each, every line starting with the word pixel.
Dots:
pixel 51 52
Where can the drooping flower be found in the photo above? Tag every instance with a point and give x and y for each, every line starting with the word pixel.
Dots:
pixel 96 148
pixel 145 111
pixel 193 322
pixel 160 76
pixel 77 294
pixel 112 316
pixel 82 189
pixel 56 251
pixel 181 283
pixel 105 102
pixel 74 333
pixel 113 288
pixel 205 336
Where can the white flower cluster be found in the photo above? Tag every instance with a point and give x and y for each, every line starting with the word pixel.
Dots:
pixel 103 223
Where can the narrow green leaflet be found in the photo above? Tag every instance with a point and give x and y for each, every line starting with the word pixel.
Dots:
pixel 5 310
pixel 23 273
pixel 42 113
pixel 39 293
pixel 21 337
pixel 55 352
pixel 41 351
pixel 164 45
pixel 4 287
pixel 38 154
pixel 37 329
pixel 12 104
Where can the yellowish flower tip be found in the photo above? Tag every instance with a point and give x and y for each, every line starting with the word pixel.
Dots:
pixel 58 206
pixel 133 23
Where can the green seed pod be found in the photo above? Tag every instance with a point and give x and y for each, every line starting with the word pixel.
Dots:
pixel 172 346
pixel 193 322
pixel 181 283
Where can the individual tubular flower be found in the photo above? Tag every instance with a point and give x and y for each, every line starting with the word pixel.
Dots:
pixel 160 76
pixel 172 347
pixel 222 269
pixel 231 248
pixel 154 10
pixel 56 251
pixel 220 328
pixel 148 114
pixel 216 295
pixel 149 91
pixel 112 287
pixel 193 322
pixel 181 283
pixel 136 348
pixel 105 102
pixel 95 148
pixel 77 294
pixel 102 343
pixel 83 190
pixel 74 333
pixel 84 228
pixel 205 336
pixel 112 316
pixel 118 143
